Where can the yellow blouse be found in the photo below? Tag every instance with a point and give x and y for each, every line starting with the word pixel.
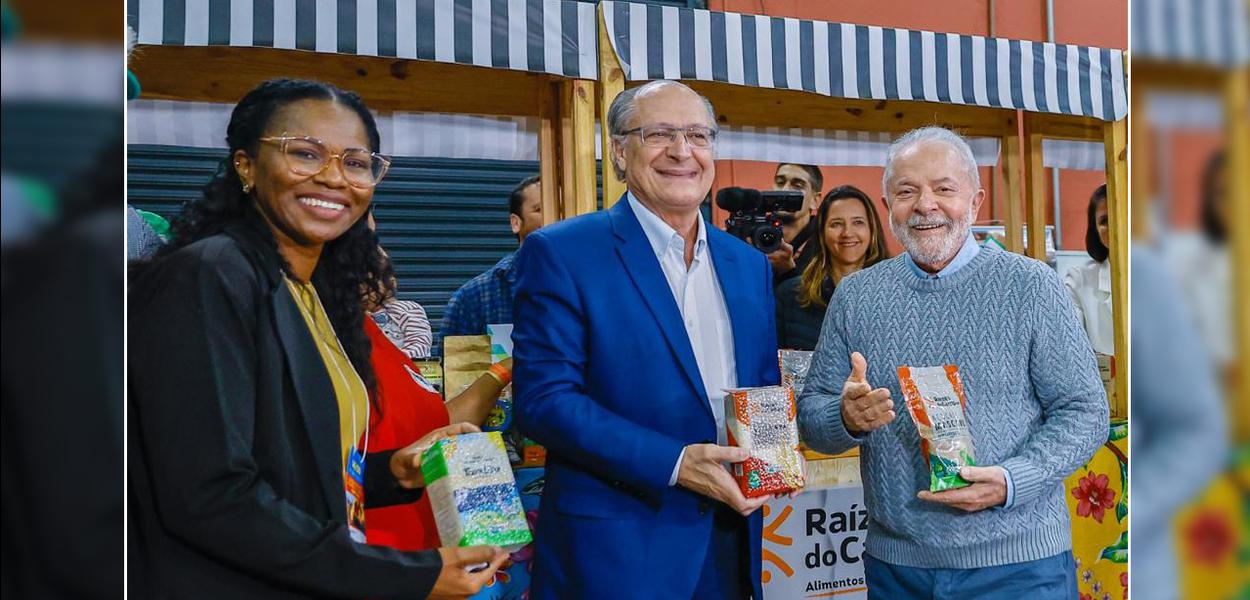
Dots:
pixel 349 389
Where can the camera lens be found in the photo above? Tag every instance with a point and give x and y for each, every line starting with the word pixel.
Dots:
pixel 767 239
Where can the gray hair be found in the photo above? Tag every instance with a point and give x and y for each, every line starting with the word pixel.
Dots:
pixel 624 107
pixel 929 134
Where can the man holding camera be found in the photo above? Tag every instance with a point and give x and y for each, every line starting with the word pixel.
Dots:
pixel 630 324
pixel 797 227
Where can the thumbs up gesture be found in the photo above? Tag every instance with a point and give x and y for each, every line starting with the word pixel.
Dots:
pixel 864 408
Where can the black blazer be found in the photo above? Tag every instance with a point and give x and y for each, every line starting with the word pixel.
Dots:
pixel 235 486
pixel 798 326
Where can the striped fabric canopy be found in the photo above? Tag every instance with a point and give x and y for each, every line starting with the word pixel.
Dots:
pixel 861 61
pixel 546 36
pixel 1201 32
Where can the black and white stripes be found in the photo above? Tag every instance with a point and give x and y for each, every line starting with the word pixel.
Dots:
pixel 861 61
pixel 1208 32
pixel 560 37
pixel 547 36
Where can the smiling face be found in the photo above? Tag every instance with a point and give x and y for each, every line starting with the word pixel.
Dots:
pixel 302 210
pixel 674 178
pixel 848 234
pixel 932 201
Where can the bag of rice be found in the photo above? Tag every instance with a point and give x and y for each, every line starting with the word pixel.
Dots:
pixel 473 493
pixel 935 398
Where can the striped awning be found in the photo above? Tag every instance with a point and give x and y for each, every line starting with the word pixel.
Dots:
pixel 1213 33
pixel 833 148
pixel 545 36
pixel 862 61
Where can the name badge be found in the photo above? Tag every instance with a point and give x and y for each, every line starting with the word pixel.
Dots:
pixel 354 490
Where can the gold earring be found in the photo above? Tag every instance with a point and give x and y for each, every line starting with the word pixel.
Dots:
pixel 246 188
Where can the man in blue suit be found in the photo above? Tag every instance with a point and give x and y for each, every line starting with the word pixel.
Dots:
pixel 630 324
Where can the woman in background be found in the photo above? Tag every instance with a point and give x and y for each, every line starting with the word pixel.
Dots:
pixel 1089 284
pixel 850 239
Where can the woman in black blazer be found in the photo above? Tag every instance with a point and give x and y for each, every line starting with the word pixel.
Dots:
pixel 238 400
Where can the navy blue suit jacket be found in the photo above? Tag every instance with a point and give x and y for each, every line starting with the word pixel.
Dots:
pixel 606 379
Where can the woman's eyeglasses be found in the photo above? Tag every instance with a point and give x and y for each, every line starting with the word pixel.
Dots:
pixel 308 156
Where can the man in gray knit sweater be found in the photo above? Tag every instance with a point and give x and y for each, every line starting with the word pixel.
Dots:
pixel 1035 404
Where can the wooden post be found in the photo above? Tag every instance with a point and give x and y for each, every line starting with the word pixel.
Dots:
pixel 1115 143
pixel 549 152
pixel 1142 175
pixel 1237 103
pixel 1010 164
pixel 1034 190
pixel 578 146
pixel 611 83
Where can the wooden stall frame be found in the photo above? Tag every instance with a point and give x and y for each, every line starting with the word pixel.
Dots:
pixel 1114 137
pixel 561 104
pixel 1237 106
pixel 1233 85
pixel 611 82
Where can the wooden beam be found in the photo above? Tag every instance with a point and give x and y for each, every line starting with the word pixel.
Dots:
pixel 1116 145
pixel 1066 127
pixel 738 106
pixel 1034 190
pixel 1237 105
pixel 549 153
pixel 577 112
pixel 1142 174
pixel 225 74
pixel 1009 162
pixel 611 82
pixel 1152 75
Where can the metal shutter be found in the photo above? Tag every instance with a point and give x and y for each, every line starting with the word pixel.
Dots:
pixel 443 221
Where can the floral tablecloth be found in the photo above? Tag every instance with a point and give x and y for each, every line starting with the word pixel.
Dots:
pixel 1098 500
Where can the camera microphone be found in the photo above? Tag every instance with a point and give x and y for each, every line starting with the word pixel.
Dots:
pixel 734 199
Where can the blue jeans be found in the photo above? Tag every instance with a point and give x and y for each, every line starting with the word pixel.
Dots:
pixel 1052 578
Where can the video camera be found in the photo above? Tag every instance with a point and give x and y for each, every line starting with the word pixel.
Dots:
pixel 753 214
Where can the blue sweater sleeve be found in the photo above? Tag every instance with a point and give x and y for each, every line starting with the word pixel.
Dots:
pixel 1065 380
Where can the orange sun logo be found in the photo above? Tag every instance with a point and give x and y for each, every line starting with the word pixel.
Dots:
pixel 771 535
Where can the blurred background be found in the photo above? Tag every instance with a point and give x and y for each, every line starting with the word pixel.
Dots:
pixel 61 281
pixel 1190 298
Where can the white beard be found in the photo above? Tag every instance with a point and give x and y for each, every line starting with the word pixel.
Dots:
pixel 933 250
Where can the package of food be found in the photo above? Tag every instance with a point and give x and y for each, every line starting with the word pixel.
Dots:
pixel 473 493
pixel 935 398
pixel 762 420
pixel 794 365
pixel 1106 372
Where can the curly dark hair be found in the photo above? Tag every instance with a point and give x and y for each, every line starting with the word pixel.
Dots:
pixel 350 267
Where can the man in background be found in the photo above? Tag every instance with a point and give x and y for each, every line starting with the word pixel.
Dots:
pixel 487 298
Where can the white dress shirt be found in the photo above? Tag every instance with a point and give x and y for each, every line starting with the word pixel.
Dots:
pixel 1089 285
pixel 702 305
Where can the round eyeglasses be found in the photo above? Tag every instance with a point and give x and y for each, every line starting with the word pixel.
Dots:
pixel 308 156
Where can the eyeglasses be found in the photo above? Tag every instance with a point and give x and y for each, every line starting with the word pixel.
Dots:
pixel 308 156
pixel 663 135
